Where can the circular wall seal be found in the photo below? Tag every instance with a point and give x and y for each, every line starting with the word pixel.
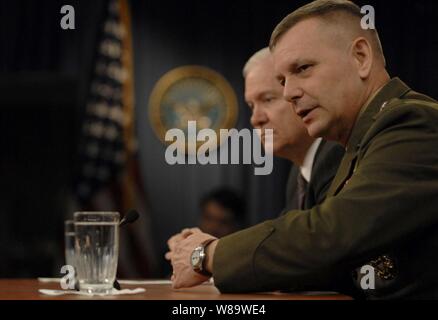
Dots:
pixel 192 93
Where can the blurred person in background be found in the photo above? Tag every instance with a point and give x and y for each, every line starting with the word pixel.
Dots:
pixel 222 212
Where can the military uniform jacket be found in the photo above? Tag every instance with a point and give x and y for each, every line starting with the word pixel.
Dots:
pixel 381 210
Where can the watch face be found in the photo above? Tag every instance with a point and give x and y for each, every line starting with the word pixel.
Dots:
pixel 196 258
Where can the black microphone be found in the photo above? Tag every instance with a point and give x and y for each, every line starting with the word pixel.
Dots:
pixel 130 217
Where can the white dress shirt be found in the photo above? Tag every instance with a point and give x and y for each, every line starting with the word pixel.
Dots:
pixel 306 168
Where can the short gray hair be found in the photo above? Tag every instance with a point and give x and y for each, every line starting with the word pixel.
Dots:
pixel 254 59
pixel 323 9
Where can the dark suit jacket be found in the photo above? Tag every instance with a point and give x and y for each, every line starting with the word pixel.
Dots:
pixel 327 159
pixel 381 209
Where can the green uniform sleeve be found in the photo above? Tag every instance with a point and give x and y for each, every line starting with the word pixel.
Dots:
pixel 391 196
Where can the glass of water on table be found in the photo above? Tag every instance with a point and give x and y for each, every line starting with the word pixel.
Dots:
pixel 69 240
pixel 96 250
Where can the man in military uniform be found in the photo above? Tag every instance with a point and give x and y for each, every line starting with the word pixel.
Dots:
pixel 315 161
pixel 380 210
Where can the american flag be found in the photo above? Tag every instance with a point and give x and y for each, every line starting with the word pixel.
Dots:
pixel 109 176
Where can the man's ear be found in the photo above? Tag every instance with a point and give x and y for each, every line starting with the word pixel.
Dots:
pixel 363 56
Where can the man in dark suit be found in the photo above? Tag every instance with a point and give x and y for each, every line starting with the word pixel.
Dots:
pixel 379 221
pixel 315 162
pixel 313 191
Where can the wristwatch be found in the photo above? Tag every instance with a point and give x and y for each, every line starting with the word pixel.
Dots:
pixel 197 258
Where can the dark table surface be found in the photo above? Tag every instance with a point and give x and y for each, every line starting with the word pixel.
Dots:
pixel 27 289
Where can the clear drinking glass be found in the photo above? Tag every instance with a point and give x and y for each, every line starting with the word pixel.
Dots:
pixel 69 239
pixel 96 250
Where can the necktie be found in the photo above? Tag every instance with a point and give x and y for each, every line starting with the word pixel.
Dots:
pixel 302 190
